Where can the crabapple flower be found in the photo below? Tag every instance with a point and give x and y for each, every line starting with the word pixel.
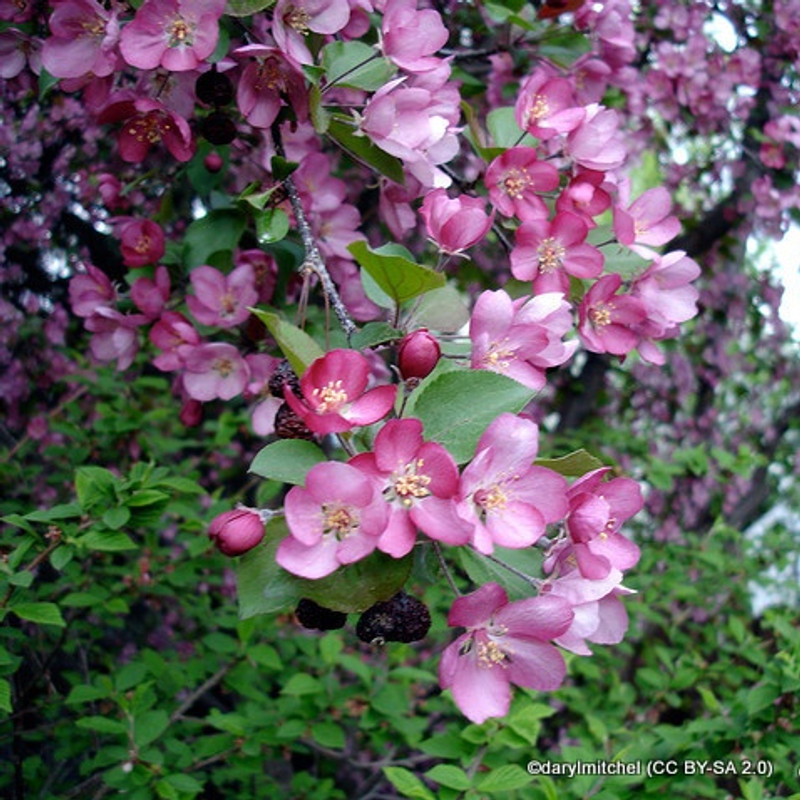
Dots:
pixel 597 142
pixel 419 481
pixel 150 296
pixel 262 414
pixel 222 300
pixel 597 509
pixel 176 337
pixel 91 291
pixel 546 106
pixel 214 370
pixel 548 252
pixel 83 38
pixel 337 518
pixel 147 122
pixel 455 223
pixel 505 643
pixel 508 501
pixel 237 531
pixel 520 338
pixel 585 196
pixel 266 84
pixel 293 19
pixel 115 336
pixel 333 396
pixel 175 34
pixel 607 321
pixel 141 241
pixel 514 180
pixel 646 221
pixel 410 37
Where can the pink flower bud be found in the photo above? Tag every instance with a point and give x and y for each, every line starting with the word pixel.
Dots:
pixel 455 223
pixel 213 162
pixel 235 532
pixel 191 413
pixel 418 355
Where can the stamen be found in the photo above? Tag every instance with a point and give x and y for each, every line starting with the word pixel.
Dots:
pixel 551 255
pixel 330 397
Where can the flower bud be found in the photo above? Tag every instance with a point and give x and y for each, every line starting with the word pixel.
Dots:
pixel 418 354
pixel 191 413
pixel 213 162
pixel 235 532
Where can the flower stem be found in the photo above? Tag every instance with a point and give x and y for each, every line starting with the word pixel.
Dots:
pixel 332 83
pixel 535 582
pixel 445 569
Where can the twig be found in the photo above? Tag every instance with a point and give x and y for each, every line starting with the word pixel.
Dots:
pixel 535 582
pixel 443 564
pixel 201 690
pixel 313 261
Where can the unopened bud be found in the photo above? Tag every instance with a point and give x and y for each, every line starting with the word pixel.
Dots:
pixel 213 162
pixel 235 532
pixel 191 413
pixel 418 355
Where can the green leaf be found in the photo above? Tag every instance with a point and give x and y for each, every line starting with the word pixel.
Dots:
pixel 46 82
pixel 301 683
pixel 149 726
pixel 22 579
pixel 356 64
pixel 320 118
pixel 407 783
pixel 85 694
pixel 102 725
pixel 94 485
pixel 504 779
pixel 184 783
pixel 374 333
pixel 146 497
pixel 572 465
pixel 295 344
pixel 399 277
pixel 449 775
pixel 5 696
pixel 41 613
pixel 482 570
pixel 272 224
pixel 107 541
pixel 563 46
pixel 244 8
pixel 116 518
pixel 287 460
pixel 329 734
pixel 442 310
pixel 220 229
pixel 55 513
pixel 362 149
pixel 456 407
pixel 505 132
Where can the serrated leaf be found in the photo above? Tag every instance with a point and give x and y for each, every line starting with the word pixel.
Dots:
pixel 116 518
pixel 287 460
pixel 107 541
pixel 298 347
pixel 449 775
pixel 85 694
pixel 220 229
pixel 329 734
pixel 94 485
pixel 456 407
pixel 40 613
pixel 102 725
pixel 147 727
pixel 504 779
pixel 301 683
pixel 572 465
pixel 146 497
pixel 401 278
pixel 55 513
pixel 407 783
pixel 357 65
pixel 362 149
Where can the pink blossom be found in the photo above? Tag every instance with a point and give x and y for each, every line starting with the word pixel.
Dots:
pixel 505 643
pixel 141 241
pixel 262 414
pixel 608 321
pixel 237 531
pixel 150 296
pixel 265 271
pixel 585 196
pixel 507 501
pixel 175 34
pixel 597 509
pixel 110 188
pixel 516 178
pixel 83 38
pixel 548 252
pixel 410 37
pixel 337 518
pixel 419 481
pixel 214 370
pixel 546 106
pixel 18 51
pixel 646 221
pixel 597 142
pixel 333 396
pixel 147 122
pixel 455 223
pixel 90 292
pixel 267 83
pixel 115 336
pixel 293 19
pixel 222 300
pixel 520 338
pixel 176 336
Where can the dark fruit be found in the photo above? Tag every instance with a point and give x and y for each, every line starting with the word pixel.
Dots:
pixel 402 618
pixel 284 375
pixel 214 88
pixel 218 128
pixel 289 426
pixel 312 615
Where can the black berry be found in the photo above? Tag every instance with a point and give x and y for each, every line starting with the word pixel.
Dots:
pixel 218 128
pixel 289 426
pixel 402 618
pixel 214 88
pixel 284 375
pixel 312 615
